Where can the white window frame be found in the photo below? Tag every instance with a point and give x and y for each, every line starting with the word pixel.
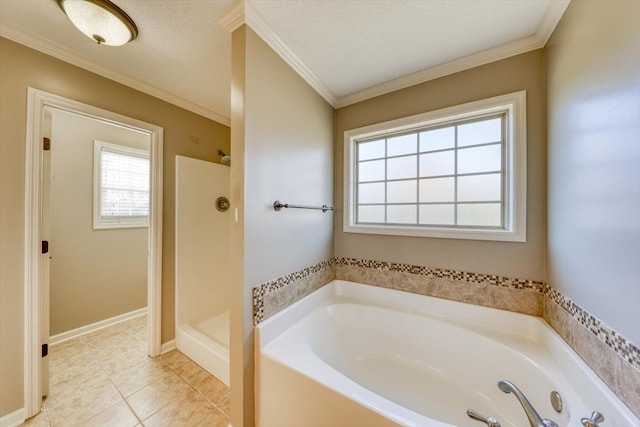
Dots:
pixel 513 105
pixel 99 222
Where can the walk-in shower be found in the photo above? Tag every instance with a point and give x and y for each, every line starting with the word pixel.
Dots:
pixel 202 264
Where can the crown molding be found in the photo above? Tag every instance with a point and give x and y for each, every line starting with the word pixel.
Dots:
pixel 233 16
pixel 66 55
pixel 552 16
pixel 470 61
pixel 240 12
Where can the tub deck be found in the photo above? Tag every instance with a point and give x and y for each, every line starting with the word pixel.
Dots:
pixel 358 355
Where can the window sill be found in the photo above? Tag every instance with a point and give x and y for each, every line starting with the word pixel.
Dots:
pixel 440 233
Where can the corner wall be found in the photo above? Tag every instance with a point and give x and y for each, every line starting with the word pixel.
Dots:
pixel 593 91
pixel 510 259
pixel 593 256
pixel 185 133
pixel 282 133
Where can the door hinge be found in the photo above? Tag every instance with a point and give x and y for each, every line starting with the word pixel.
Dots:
pixel 46 144
pixel 45 350
pixel 45 246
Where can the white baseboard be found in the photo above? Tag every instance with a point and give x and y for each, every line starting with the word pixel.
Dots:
pixel 168 346
pixel 83 330
pixel 13 419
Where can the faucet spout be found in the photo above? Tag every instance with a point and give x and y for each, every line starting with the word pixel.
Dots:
pixel 532 415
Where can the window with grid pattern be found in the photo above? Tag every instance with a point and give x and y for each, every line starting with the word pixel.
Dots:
pixel 458 172
pixel 121 186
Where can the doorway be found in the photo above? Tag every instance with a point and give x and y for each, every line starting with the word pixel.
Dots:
pixel 36 260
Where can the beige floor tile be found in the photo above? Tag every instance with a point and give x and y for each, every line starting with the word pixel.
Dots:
pixel 137 323
pixel 115 344
pixel 118 415
pixel 135 378
pixel 205 383
pixel 83 383
pixel 96 337
pixel 72 370
pixel 225 406
pixel 158 394
pixel 83 407
pixel 191 410
pixel 89 375
pixel 40 420
pixel 174 359
pixel 114 362
pixel 141 336
pixel 68 350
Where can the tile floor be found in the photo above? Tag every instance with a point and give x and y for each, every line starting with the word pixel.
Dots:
pixel 106 379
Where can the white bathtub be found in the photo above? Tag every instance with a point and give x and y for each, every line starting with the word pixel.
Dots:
pixel 358 355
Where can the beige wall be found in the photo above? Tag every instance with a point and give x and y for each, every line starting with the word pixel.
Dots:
pixel 95 274
pixel 518 260
pixel 593 92
pixel 286 132
pixel 184 133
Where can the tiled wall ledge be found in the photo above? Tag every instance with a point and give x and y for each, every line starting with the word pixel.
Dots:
pixel 271 297
pixel 611 356
pixel 523 296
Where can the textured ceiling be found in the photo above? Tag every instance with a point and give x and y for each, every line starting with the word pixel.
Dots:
pixel 350 48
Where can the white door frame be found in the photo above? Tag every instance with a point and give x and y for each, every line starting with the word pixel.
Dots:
pixel 37 100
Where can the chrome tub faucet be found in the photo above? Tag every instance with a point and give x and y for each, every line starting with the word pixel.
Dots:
pixel 532 415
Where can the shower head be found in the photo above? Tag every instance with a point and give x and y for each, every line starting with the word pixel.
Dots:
pixel 225 159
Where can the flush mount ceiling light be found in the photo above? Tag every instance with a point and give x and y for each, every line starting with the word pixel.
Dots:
pixel 100 20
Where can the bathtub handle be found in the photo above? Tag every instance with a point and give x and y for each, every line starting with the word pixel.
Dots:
pixel 489 421
pixel 596 418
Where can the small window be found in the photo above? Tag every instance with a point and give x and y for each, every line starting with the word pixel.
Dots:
pixel 454 173
pixel 120 186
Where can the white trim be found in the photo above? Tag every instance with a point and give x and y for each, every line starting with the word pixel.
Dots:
pixel 516 151
pixel 37 101
pixel 241 12
pixel 66 55
pixel 232 16
pixel 550 19
pixel 168 346
pixel 13 419
pixel 87 329
pixel 261 28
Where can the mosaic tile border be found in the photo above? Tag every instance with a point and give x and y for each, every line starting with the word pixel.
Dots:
pixel 625 349
pixel 259 292
pixel 507 282
pixel 616 342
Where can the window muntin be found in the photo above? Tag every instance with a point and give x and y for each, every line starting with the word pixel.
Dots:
pixel 459 172
pixel 121 186
pixel 404 174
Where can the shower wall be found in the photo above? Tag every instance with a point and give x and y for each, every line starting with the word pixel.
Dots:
pixel 202 241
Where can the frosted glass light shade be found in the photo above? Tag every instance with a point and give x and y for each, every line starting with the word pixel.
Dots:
pixel 100 20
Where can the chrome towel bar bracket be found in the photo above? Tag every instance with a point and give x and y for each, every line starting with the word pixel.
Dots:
pixel 277 205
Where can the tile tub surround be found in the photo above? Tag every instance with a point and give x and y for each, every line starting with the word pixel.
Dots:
pixel 275 295
pixel 613 358
pixel 522 296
